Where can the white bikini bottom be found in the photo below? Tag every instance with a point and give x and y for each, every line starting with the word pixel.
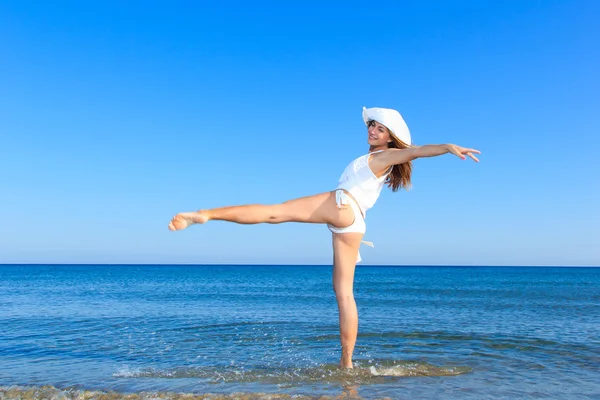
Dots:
pixel 342 199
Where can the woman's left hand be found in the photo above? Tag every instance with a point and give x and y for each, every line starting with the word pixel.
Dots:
pixel 461 151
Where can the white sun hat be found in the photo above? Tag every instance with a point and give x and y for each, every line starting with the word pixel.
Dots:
pixel 391 119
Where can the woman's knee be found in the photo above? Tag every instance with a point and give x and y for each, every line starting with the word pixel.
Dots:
pixel 277 213
pixel 344 298
pixel 285 212
pixel 343 293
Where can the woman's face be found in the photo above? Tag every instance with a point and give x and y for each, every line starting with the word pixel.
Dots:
pixel 378 134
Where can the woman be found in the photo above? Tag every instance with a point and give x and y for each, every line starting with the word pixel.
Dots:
pixel 389 161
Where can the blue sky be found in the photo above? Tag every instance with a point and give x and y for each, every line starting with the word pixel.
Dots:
pixel 114 116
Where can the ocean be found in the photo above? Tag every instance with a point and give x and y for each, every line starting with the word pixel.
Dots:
pixel 258 331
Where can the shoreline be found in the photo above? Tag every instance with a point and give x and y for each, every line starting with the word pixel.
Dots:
pixel 47 392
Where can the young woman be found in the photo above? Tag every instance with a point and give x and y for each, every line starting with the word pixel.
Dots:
pixel 389 162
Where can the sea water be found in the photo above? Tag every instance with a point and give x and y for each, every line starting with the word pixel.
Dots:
pixel 424 332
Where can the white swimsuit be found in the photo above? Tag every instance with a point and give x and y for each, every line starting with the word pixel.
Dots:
pixel 360 188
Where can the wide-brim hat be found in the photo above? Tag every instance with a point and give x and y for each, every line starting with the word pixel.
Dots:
pixel 391 119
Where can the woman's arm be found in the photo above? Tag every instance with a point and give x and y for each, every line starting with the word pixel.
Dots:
pixel 389 157
pixel 432 150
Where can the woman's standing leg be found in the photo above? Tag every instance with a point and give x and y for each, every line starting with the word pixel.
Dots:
pixel 345 253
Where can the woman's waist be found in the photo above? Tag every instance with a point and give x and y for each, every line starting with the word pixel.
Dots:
pixel 364 198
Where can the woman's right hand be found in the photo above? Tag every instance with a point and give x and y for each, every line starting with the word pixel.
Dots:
pixel 461 151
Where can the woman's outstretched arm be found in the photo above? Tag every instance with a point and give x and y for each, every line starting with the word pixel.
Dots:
pixel 390 157
pixel 432 150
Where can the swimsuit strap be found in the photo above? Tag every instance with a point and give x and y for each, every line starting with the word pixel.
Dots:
pixel 373 152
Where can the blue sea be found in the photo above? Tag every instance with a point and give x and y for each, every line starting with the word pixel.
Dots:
pixel 424 332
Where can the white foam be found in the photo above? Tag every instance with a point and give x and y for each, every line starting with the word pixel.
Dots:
pixel 126 372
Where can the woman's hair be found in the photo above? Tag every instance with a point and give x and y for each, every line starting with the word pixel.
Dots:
pixel 399 177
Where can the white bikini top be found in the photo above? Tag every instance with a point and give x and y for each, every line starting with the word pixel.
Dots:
pixel 361 182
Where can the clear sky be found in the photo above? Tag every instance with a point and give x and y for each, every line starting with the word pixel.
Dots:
pixel 114 116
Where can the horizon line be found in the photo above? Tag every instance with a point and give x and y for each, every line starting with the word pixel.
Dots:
pixel 308 265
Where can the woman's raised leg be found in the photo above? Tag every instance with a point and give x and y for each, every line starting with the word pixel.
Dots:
pixel 345 253
pixel 319 208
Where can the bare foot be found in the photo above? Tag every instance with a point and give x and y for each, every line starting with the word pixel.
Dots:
pixel 185 219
